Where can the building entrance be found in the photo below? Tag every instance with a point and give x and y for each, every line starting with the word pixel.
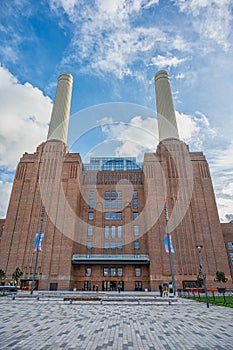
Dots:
pixel 112 285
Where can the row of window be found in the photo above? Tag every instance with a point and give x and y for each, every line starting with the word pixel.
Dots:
pixel 113 231
pixel 112 216
pixel 110 200
pixel 113 271
pixel 113 245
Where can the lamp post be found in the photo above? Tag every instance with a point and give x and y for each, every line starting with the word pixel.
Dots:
pixel 170 253
pixel 37 248
pixel 199 248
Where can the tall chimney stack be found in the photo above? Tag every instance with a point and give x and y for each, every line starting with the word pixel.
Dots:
pixel 165 109
pixel 58 128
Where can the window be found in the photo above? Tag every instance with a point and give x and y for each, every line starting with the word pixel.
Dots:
pixel 136 230
pixel 113 231
pixel 106 231
pixel 113 193
pixel 113 271
pixel 119 231
pixel 136 245
pixel 119 193
pixel 91 194
pixel 107 193
pixel 230 245
pixel 137 271
pixel 135 215
pixel 90 216
pixel 88 271
pixel 89 245
pixel 119 203
pixel 135 203
pixel 89 231
pixel 113 216
pixel 113 245
pixel 120 272
pixel 107 203
pixel 135 194
pixel 113 203
pixel 119 245
pixel 231 256
pixel 106 246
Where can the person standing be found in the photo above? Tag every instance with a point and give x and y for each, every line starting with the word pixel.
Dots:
pixel 160 290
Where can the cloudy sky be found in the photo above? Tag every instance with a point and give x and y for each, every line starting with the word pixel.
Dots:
pixel 113 48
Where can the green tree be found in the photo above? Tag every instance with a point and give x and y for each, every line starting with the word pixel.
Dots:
pixel 220 277
pixel 17 274
pixel 2 274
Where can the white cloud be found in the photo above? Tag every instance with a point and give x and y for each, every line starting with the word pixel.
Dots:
pixel 194 129
pixel 166 61
pixel 25 112
pixel 5 190
pixel 211 19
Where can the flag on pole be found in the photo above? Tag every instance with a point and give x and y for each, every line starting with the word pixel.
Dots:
pixel 38 241
pixel 166 243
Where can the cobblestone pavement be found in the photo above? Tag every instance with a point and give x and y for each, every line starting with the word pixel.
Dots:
pixel 56 324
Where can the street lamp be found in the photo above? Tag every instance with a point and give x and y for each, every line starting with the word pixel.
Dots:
pixel 37 248
pixel 169 250
pixel 199 248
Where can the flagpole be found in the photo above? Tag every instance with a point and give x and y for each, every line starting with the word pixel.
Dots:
pixel 169 250
pixel 37 248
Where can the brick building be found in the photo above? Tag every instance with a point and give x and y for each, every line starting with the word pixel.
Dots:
pixel 105 222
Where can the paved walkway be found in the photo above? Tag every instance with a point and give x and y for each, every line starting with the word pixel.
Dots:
pixel 56 324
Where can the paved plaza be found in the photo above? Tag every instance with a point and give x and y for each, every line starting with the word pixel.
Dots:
pixel 52 323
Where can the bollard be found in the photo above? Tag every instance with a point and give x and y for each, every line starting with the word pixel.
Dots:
pixel 70 301
pixel 13 298
pixel 101 302
pixel 37 298
pixel 169 302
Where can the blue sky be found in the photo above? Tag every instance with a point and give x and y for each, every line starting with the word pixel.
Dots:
pixel 113 49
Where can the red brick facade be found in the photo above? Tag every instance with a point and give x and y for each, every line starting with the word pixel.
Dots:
pixel 73 257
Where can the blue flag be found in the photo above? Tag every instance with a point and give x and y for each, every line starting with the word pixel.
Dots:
pixel 38 241
pixel 166 244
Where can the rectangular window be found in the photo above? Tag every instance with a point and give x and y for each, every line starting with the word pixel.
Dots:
pixel 91 203
pixel 137 271
pixel 136 245
pixel 113 203
pixel 106 231
pixel 119 231
pixel 135 203
pixel 90 216
pixel 231 256
pixel 105 271
pixel 106 246
pixel 120 272
pixel 89 245
pixel 136 230
pixel 119 245
pixel 135 194
pixel 113 193
pixel 113 231
pixel 107 203
pixel 119 193
pixel 138 285
pixel 88 271
pixel 107 193
pixel 113 216
pixel 135 215
pixel 113 271
pixel 113 245
pixel 230 245
pixel 92 194
pixel 90 231
pixel 119 203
